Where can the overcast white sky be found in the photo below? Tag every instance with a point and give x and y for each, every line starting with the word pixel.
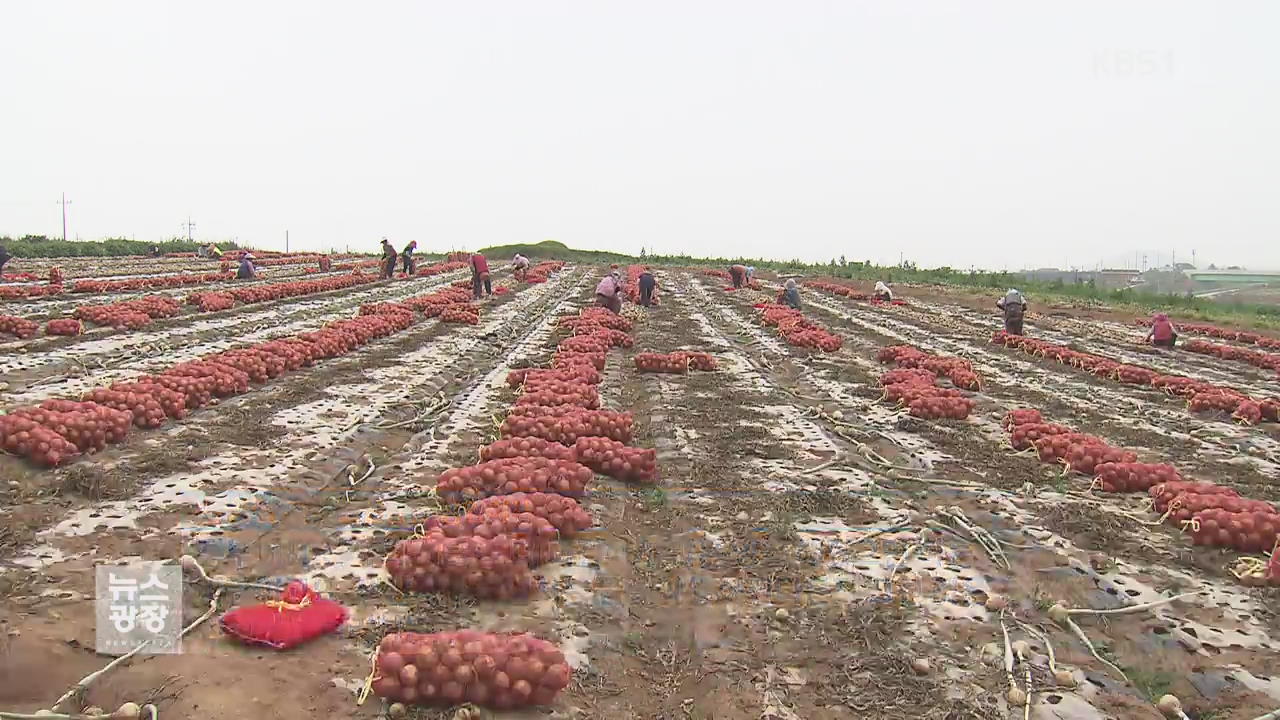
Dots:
pixel 961 133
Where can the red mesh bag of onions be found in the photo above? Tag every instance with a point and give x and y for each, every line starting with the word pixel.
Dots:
pixel 584 344
pixel 1165 493
pixel 494 670
pixel 617 460
pixel 578 372
pixel 583 396
pixel 566 423
pixel 23 436
pixel 511 475
pixel 147 411
pixel 537 532
pixel 1134 477
pixel 526 447
pixel 1025 435
pixel 564 513
pixel 917 376
pixel 488 568
pixel 567 359
pixel 1021 416
pixel 300 614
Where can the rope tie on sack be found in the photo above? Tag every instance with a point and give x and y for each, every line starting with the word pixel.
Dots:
pixel 281 605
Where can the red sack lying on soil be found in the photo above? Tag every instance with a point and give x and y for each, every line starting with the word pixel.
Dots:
pixel 300 614
pixel 564 513
pixel 499 671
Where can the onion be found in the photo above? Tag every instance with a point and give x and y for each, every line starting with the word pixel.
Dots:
pixel 1059 614
pixel 1016 696
pixel 1170 705
pixel 1064 678
pixel 127 711
pixel 921 666
pixel 996 602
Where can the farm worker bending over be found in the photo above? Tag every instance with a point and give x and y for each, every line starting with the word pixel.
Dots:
pixel 608 292
pixel 738 273
pixel 480 275
pixel 1162 333
pixel 1014 307
pixel 882 292
pixel 791 295
pixel 751 273
pixel 520 267
pixel 406 257
pixel 389 257
pixel 246 271
pixel 4 257
pixel 647 283
pixel 325 263
pixel 214 252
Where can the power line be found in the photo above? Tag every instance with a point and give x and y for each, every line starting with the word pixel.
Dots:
pixel 64 202
pixel 189 226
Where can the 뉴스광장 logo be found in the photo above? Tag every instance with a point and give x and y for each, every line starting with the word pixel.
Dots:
pixel 136 604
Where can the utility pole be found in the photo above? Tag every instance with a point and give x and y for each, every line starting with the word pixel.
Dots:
pixel 64 202
pixel 286 241
pixel 189 226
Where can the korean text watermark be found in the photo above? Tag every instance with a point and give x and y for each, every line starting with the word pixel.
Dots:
pixel 136 605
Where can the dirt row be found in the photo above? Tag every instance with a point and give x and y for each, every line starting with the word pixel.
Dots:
pixel 90 362
pixel 797 556
pixel 269 495
pixel 1232 617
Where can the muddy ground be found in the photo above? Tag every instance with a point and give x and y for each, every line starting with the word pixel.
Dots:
pixel 778 570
